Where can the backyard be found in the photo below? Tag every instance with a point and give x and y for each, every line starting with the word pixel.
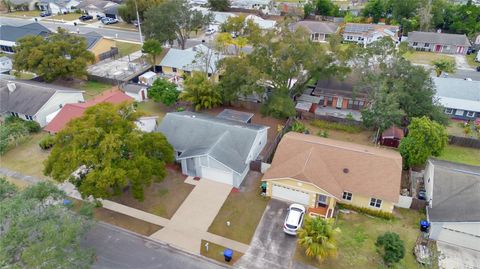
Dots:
pixel 422 57
pixel 243 209
pixel 161 198
pixel 459 154
pixel 339 131
pixel 93 88
pixel 153 108
pixel 356 241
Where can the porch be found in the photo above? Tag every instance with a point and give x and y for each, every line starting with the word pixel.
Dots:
pixel 324 207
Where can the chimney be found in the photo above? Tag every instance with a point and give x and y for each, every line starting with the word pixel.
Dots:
pixel 11 86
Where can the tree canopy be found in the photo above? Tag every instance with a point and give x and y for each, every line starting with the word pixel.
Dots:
pixel 219 5
pixel 201 92
pixel 38 231
pixel 425 138
pixel 174 20
pixel 127 9
pixel 153 48
pixel 391 247
pixel 163 91
pixel 326 8
pixel 61 55
pixel 108 154
pixel 318 238
pixel 443 65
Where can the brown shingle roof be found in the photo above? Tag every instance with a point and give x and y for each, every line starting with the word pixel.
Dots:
pixel 337 166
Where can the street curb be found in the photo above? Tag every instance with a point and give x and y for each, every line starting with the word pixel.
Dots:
pixel 165 245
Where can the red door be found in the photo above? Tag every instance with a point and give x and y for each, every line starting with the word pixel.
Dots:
pixel 438 48
pixel 143 95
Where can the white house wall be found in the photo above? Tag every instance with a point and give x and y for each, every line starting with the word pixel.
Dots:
pixel 428 181
pixel 258 145
pixel 59 99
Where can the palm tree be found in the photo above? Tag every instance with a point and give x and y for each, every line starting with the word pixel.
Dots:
pixel 318 237
pixel 201 92
pixel 443 65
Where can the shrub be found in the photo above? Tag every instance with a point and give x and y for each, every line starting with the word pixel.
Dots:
pixel 391 247
pixel 47 142
pixel 367 211
pixel 298 127
pixel 337 126
pixel 32 126
pixel 180 109
pixel 323 133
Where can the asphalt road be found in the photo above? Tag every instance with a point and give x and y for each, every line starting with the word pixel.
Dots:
pixel 117 248
pixel 111 33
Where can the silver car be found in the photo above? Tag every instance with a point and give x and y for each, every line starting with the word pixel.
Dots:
pixel 294 219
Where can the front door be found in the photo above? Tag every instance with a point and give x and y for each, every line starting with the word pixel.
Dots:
pixel 438 48
pixel 143 94
pixel 322 200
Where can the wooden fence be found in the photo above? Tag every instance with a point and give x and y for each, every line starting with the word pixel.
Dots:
pixel 268 156
pixel 464 141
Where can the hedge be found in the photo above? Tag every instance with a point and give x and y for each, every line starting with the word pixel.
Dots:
pixel 367 211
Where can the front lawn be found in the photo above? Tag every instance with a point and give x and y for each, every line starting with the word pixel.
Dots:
pixel 356 242
pixel 126 48
pixel 67 17
pixel 422 57
pixel 216 252
pixel 243 209
pixel 471 60
pixel 459 154
pixel 161 199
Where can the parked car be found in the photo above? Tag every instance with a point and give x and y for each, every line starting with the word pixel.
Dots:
pixel 422 194
pixel 294 219
pixel 210 31
pixel 86 17
pixel 107 20
pixel 135 23
pixel 99 17
pixel 45 14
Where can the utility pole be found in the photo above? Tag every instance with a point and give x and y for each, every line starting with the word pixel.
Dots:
pixel 139 24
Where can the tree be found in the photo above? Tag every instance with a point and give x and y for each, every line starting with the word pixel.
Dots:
pixel 127 11
pixel 61 55
pixel 425 138
pixel 308 9
pixel 201 92
pixel 375 9
pixel 318 237
pixel 239 26
pixel 327 8
pixel 163 91
pixel 391 248
pixel 153 48
pixel 443 65
pixel 238 79
pixel 103 152
pixel 279 105
pixel 174 20
pixel 219 5
pixel 38 231
pixel 405 9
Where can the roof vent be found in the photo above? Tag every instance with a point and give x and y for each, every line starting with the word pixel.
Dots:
pixel 11 86
pixel 345 170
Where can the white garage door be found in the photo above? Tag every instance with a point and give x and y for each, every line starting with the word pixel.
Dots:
pixel 292 195
pixel 217 175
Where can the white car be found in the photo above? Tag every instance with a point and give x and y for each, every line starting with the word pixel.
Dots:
pixel 210 31
pixel 294 219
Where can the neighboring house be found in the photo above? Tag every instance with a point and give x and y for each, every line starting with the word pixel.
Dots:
pixel 319 172
pixel 212 147
pixel 198 58
pixel 34 100
pixel 319 31
pixel 100 8
pixel 58 119
pixel 264 5
pixel 392 137
pixel 262 23
pixel 365 34
pixel 9 34
pixel 459 97
pixel 453 196
pixel 101 47
pixel 58 6
pixel 138 92
pixel 219 17
pixel 5 65
pixel 438 42
pixel 147 78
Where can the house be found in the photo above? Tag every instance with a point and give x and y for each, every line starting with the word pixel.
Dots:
pixel 459 97
pixel 102 48
pixel 100 8
pixel 263 5
pixel 9 34
pixel 340 98
pixel 439 42
pixel 262 23
pixel 319 31
pixel 212 147
pixel 34 100
pixel 5 65
pixel 58 6
pixel 319 172
pixel 178 62
pixel 392 137
pixel 365 34
pixel 58 119
pixel 453 196
pixel 138 92
pixel 147 78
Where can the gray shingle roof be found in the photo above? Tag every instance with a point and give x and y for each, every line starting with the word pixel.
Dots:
pixel 458 93
pixel 132 88
pixel 194 134
pixel 191 59
pixel 13 33
pixel 92 38
pixel 28 97
pixel 439 38
pixel 456 192
pixel 317 27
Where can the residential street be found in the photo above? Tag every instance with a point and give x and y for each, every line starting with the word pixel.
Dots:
pixel 116 248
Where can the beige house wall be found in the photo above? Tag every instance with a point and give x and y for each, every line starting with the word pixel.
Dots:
pixel 103 45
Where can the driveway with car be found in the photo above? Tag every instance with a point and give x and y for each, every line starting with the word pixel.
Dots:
pixel 271 247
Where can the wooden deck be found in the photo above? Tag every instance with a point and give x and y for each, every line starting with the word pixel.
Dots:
pixel 318 211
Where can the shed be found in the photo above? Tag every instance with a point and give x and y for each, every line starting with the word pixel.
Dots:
pixel 136 91
pixel 148 78
pixel 392 137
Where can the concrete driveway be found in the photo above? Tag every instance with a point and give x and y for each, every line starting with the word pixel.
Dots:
pixel 457 257
pixel 462 63
pixel 270 247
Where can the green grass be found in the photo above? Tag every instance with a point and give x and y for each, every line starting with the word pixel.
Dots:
pixel 29 14
pixel 22 75
pixel 461 155
pixel 422 57
pixel 356 242
pixel 66 17
pixel 215 252
pixel 93 88
pixel 122 25
pixel 353 129
pixel 126 48
pixel 471 60
pixel 151 108
pixel 244 211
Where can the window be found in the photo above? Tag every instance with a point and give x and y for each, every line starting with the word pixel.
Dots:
pixel 350 104
pixel 415 43
pixel 426 45
pixel 459 112
pixel 329 101
pixel 448 111
pixel 322 101
pixel 174 69
pixel 375 202
pixel 470 114
pixel 347 196
pixel 322 200
pixel 27 117
pixel 15 114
